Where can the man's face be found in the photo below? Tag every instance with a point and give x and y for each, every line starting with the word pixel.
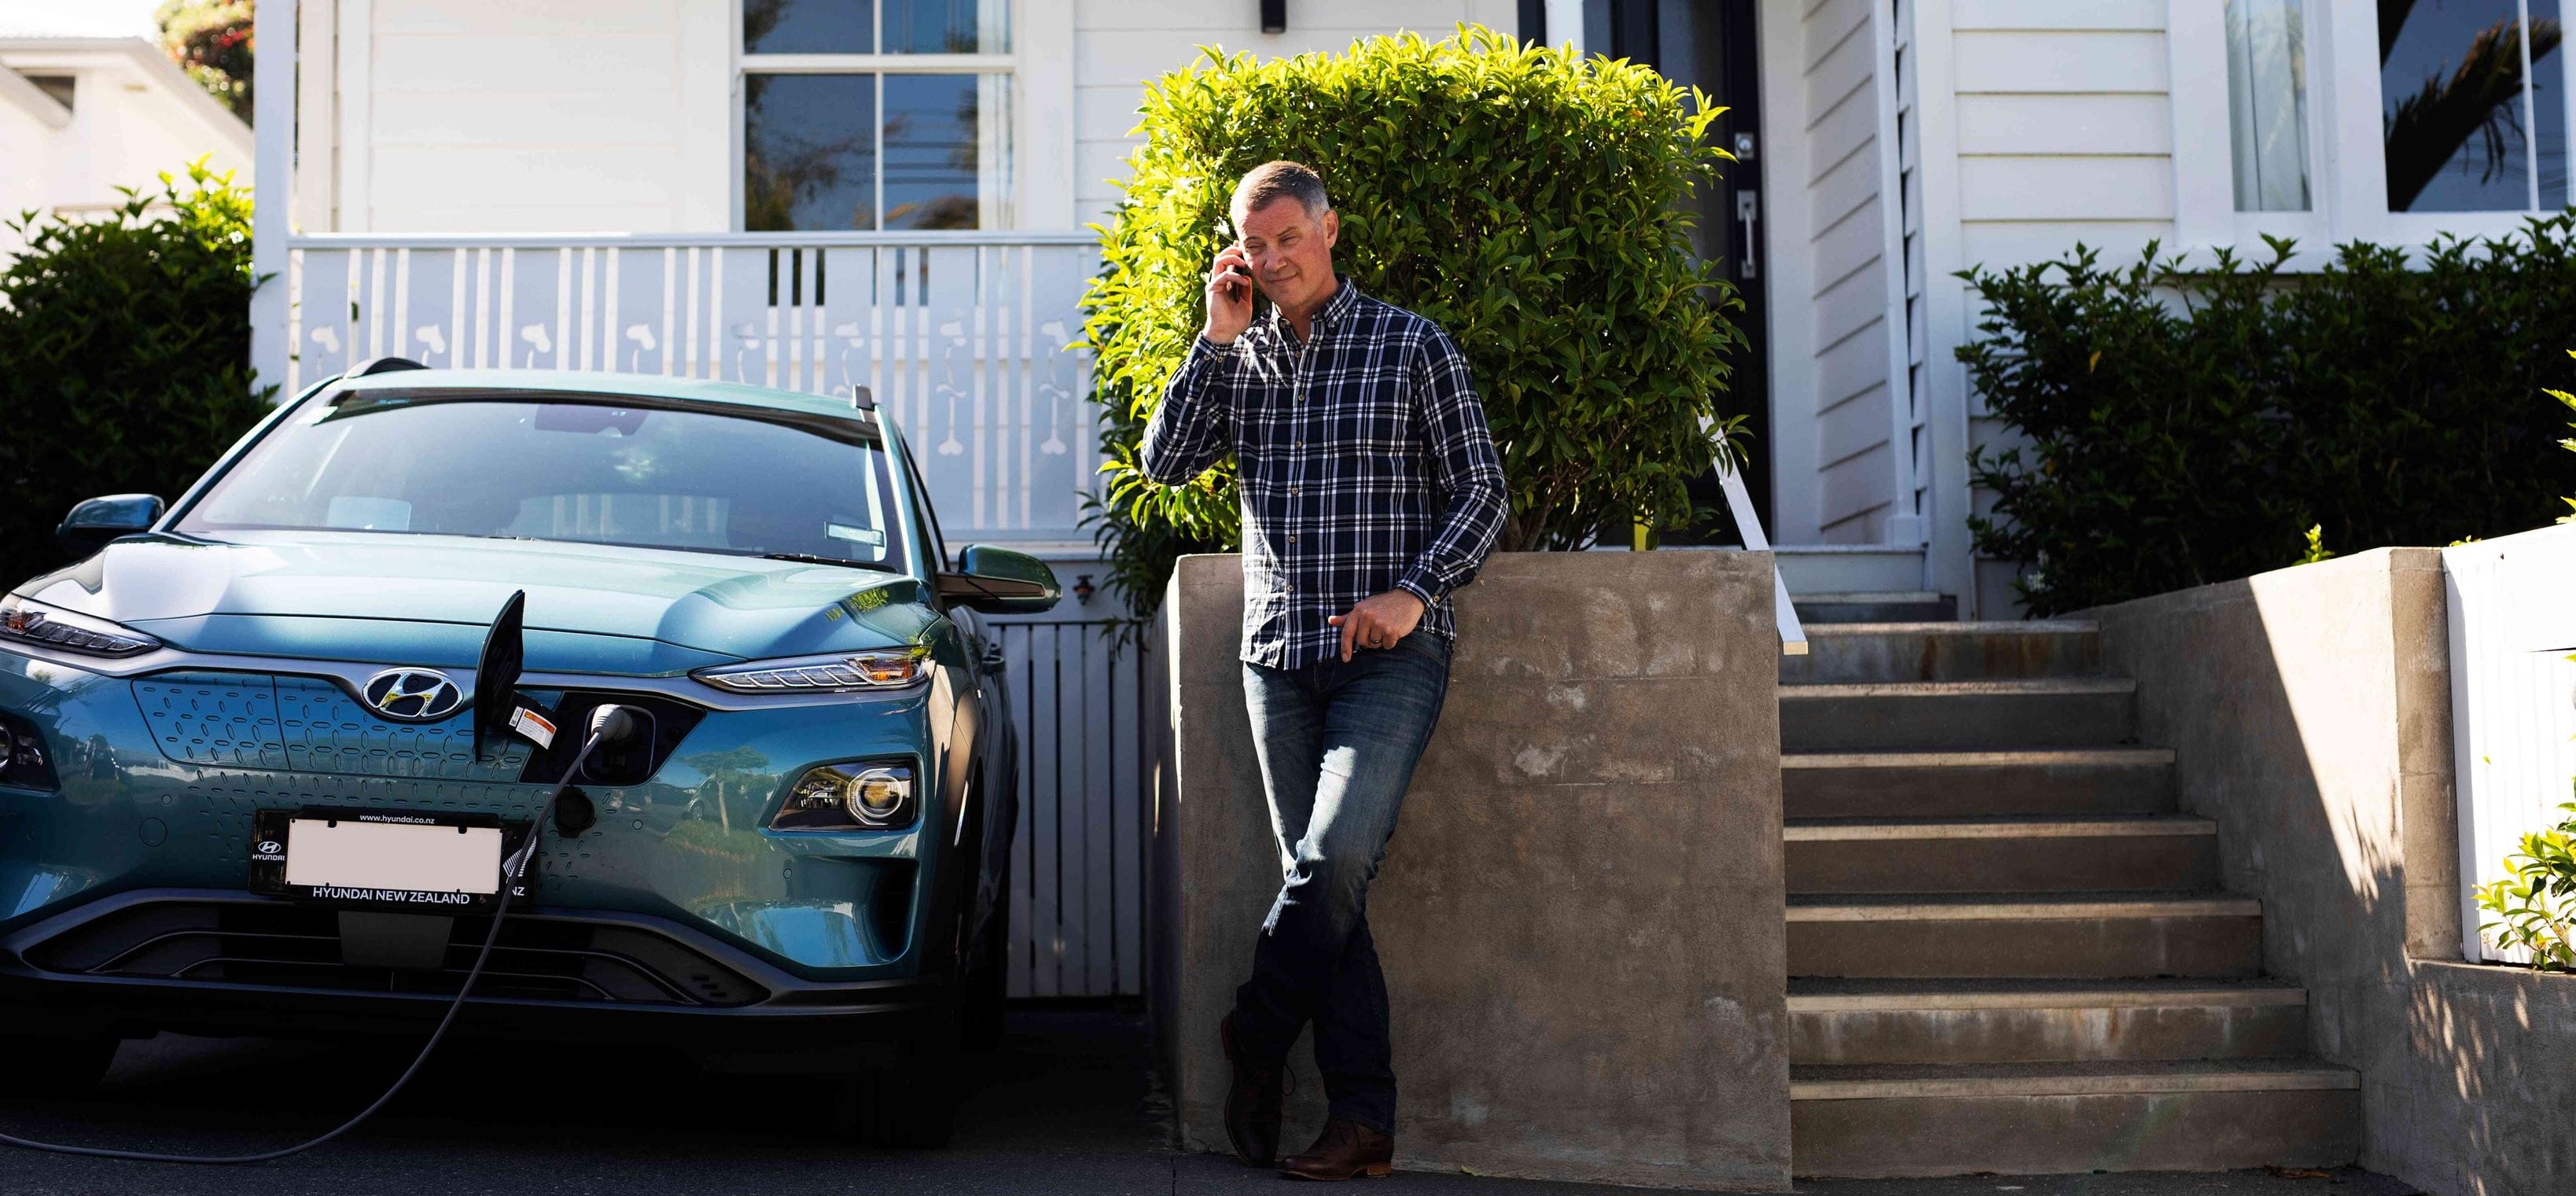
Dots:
pixel 1291 252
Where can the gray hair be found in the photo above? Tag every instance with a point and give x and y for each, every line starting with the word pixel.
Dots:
pixel 1281 180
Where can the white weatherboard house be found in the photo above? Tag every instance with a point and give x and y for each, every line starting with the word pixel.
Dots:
pixel 82 116
pixel 818 192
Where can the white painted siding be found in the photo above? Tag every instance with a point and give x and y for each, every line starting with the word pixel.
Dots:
pixel 2062 132
pixel 1833 407
pixel 1118 45
pixel 618 115
pixel 502 116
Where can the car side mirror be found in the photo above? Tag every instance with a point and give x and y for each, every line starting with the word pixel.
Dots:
pixel 999 581
pixel 96 521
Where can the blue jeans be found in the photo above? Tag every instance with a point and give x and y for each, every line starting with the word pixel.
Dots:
pixel 1337 743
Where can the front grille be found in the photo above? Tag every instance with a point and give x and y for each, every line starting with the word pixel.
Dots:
pixel 310 725
pixel 284 945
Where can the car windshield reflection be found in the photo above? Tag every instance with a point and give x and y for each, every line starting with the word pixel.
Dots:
pixel 588 471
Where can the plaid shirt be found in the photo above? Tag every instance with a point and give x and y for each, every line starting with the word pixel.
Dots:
pixel 1362 461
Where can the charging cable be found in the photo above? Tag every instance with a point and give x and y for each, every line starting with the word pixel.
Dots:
pixel 607 724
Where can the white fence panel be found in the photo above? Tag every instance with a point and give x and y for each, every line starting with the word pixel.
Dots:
pixel 962 338
pixel 2512 603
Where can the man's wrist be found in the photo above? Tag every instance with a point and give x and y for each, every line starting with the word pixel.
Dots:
pixel 1214 341
pixel 1416 590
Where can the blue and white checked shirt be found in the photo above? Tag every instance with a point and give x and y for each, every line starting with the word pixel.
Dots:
pixel 1363 463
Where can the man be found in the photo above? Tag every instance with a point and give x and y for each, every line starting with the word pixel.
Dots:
pixel 1370 490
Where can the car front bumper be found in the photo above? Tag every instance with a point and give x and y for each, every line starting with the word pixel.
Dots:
pixel 137 963
pixel 124 899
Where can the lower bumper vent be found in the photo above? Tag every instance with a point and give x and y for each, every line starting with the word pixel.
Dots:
pixel 298 947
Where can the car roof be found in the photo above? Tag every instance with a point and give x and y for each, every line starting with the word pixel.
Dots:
pixel 601 382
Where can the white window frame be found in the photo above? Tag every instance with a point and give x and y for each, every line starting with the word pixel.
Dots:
pixel 2347 172
pixel 1000 193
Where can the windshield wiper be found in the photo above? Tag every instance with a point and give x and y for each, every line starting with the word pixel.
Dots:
pixel 814 559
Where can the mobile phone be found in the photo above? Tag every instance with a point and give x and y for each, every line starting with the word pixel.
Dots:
pixel 1225 233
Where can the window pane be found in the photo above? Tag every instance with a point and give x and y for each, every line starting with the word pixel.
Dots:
pixel 809 155
pixel 809 26
pixel 2455 114
pixel 2267 104
pixel 930 127
pixel 947 27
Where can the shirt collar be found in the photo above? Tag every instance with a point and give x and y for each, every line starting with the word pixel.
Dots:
pixel 1346 296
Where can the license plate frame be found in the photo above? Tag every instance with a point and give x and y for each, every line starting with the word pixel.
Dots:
pixel 415 861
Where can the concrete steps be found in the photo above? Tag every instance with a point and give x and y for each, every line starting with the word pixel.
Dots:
pixel 2006 948
pixel 2055 936
pixel 1904 606
pixel 2004 855
pixel 1944 652
pixel 2059 782
pixel 2032 712
pixel 1969 1022
pixel 2024 1119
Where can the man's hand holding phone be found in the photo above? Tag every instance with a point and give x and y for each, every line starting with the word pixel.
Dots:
pixel 1229 295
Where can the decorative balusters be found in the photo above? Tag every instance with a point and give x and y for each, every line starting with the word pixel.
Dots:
pixel 961 341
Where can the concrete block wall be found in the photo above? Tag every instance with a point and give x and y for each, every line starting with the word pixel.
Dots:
pixel 1582 912
pixel 2309 711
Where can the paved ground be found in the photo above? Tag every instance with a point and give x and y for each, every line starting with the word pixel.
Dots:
pixel 1063 1108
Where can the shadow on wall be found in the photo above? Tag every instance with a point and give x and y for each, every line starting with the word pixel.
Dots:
pixel 2309 710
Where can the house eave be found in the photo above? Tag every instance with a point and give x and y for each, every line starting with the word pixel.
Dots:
pixel 156 66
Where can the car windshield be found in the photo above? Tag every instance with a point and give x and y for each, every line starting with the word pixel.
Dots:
pixel 653 475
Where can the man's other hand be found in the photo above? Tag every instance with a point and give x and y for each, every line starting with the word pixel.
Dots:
pixel 1380 621
pixel 1229 296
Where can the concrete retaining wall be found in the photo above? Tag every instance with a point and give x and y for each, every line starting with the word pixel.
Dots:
pixel 1582 913
pixel 2309 710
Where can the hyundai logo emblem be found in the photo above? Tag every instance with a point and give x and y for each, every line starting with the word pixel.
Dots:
pixel 412 695
pixel 270 847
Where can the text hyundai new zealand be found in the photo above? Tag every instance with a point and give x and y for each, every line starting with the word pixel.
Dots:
pixel 263 754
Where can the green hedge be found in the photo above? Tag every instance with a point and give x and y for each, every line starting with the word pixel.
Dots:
pixel 2190 427
pixel 1527 201
pixel 124 355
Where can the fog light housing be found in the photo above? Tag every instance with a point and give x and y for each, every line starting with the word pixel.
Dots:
pixel 857 795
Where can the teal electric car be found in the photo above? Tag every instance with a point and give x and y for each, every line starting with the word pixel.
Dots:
pixel 262 751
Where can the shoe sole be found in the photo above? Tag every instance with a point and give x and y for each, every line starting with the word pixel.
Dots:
pixel 1372 1171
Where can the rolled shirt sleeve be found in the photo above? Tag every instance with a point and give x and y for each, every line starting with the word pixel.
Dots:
pixel 1466 471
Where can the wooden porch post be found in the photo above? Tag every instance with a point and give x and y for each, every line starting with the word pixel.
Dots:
pixel 273 164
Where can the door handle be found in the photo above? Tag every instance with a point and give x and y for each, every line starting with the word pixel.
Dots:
pixel 993 657
pixel 1748 212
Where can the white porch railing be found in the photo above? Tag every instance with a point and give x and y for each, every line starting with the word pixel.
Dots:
pixel 2513 725
pixel 961 337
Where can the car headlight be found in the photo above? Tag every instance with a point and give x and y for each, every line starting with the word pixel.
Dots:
pixel 28 621
pixel 839 672
pixel 857 795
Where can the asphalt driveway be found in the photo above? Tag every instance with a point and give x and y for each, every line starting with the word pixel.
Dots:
pixel 1064 1107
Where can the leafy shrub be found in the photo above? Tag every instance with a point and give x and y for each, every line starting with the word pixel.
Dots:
pixel 1527 201
pixel 212 41
pixel 124 354
pixel 2537 899
pixel 2184 427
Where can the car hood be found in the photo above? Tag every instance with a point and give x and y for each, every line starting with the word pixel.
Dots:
pixel 428 600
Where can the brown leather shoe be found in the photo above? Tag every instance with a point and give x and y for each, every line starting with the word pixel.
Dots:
pixel 1346 1150
pixel 1252 1101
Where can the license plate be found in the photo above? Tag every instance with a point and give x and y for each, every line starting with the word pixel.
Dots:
pixel 381 859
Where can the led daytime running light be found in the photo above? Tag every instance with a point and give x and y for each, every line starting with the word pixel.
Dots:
pixel 30 622
pixel 823 674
